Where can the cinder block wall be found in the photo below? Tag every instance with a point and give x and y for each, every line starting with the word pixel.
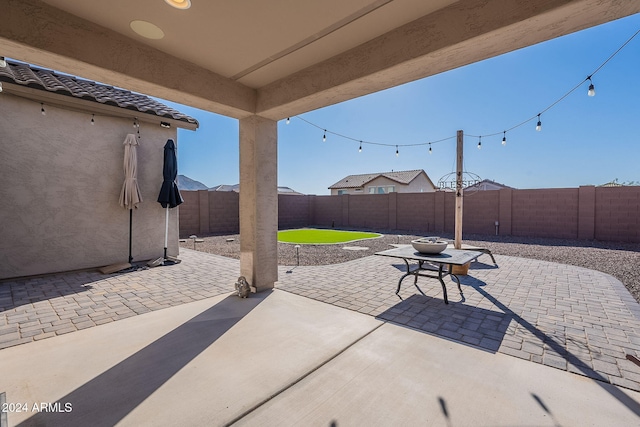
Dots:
pixel 574 213
pixel 293 211
pixel 617 214
pixel 545 213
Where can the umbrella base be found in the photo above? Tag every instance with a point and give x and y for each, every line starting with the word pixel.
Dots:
pixel 169 260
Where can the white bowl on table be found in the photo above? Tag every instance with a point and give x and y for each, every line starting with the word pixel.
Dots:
pixel 429 245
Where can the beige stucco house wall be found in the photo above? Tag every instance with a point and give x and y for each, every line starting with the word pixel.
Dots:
pixel 61 181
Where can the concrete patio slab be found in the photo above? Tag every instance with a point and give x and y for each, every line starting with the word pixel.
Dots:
pixel 203 363
pixel 281 359
pixel 400 377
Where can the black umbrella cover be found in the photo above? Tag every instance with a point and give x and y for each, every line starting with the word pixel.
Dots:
pixel 169 194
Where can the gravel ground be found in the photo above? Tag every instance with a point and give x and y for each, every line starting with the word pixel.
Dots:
pixel 621 260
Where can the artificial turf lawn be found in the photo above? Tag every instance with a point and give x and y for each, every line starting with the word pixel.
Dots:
pixel 315 236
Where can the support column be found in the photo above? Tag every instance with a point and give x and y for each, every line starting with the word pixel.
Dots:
pixel 259 202
pixel 459 192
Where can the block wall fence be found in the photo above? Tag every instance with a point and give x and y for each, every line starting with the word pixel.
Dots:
pixel 586 213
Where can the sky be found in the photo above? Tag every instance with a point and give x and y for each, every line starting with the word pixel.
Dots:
pixel 584 140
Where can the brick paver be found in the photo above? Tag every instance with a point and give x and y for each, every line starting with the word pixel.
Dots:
pixel 36 308
pixel 566 317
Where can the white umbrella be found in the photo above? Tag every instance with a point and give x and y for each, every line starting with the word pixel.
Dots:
pixel 130 194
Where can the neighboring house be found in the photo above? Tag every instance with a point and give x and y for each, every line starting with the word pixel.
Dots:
pixel 187 184
pixel 613 183
pixel 236 188
pixel 61 162
pixel 485 185
pixel 413 181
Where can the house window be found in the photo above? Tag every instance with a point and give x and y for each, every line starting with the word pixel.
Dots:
pixel 382 189
pixel 341 192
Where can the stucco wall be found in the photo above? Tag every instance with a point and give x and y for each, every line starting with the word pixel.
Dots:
pixel 61 185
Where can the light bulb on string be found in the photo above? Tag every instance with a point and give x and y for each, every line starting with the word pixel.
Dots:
pixel 44 113
pixel 360 149
pixel 3 63
pixel 479 143
pixel 397 152
pixel 504 138
pixel 324 136
pixel 539 124
pixel 0 86
pixel 592 88
pixel 93 120
pixel 430 152
pixel 288 120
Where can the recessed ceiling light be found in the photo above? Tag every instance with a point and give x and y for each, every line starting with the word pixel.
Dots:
pixel 179 4
pixel 147 29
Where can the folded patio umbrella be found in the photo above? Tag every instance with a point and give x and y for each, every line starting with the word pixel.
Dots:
pixel 130 194
pixel 169 196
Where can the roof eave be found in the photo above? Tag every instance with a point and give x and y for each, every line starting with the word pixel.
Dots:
pixel 91 106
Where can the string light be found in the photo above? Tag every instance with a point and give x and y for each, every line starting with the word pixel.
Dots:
pixel 591 92
pixel 479 143
pixel 288 120
pixel 592 88
pixel 44 113
pixel 324 136
pixel 3 63
pixel 397 152
pixel 0 86
pixel 93 121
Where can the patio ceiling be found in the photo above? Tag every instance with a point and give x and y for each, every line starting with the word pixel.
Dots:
pixel 279 58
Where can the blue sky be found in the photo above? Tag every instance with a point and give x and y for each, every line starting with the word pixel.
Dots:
pixel 584 140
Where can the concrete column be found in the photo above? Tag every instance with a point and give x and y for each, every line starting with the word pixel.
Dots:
pixel 393 211
pixel 439 211
pixel 203 213
pixel 505 211
pixel 587 212
pixel 345 210
pixel 259 202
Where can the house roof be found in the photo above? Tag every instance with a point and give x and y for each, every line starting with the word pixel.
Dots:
pixel 236 188
pixel 486 181
pixel 356 181
pixel 47 80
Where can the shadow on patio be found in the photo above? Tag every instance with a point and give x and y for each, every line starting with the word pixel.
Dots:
pixel 112 395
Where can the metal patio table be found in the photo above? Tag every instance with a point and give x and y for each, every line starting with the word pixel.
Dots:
pixel 448 257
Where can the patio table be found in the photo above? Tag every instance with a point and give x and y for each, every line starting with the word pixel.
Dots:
pixel 427 262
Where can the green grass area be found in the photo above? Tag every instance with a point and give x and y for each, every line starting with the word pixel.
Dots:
pixel 320 236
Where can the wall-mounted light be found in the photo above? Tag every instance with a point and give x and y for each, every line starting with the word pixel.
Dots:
pixel 179 4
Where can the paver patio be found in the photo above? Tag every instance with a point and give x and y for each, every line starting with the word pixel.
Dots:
pixel 567 317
